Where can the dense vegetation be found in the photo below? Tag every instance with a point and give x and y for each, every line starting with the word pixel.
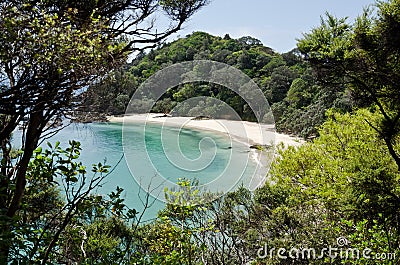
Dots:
pixel 338 195
pixel 344 185
pixel 49 52
pixel 298 102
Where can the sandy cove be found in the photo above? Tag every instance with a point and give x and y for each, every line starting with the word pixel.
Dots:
pixel 243 131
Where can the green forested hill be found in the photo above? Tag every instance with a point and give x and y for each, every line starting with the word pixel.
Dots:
pixel 297 101
pixel 334 200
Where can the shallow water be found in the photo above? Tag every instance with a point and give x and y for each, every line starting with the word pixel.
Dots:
pixel 156 155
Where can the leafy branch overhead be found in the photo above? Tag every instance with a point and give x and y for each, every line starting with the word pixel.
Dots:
pixel 50 51
pixel 342 184
pixel 365 56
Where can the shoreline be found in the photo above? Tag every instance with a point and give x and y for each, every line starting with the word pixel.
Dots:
pixel 248 133
pixel 243 132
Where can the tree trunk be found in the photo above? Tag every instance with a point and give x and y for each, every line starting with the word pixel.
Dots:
pixel 32 139
pixel 393 152
pixel 34 131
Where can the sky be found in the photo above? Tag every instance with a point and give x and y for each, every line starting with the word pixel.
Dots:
pixel 277 23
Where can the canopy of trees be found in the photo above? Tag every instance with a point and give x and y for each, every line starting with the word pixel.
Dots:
pixel 297 100
pixel 49 52
pixel 364 56
pixel 342 185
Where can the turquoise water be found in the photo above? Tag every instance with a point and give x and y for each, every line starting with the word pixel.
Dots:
pixel 156 156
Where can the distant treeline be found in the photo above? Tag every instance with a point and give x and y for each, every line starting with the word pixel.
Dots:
pixel 297 100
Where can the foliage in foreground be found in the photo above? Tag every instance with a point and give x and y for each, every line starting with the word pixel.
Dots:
pixel 365 57
pixel 341 191
pixel 342 185
pixel 61 220
pixel 50 51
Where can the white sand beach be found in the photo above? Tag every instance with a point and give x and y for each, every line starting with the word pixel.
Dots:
pixel 247 133
pixel 243 131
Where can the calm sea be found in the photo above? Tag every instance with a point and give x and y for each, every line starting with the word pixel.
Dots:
pixel 140 154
